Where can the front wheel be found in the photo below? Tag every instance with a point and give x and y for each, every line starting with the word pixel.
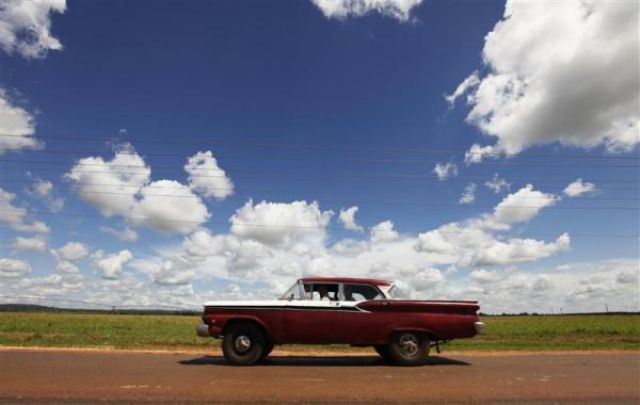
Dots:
pixel 409 349
pixel 243 344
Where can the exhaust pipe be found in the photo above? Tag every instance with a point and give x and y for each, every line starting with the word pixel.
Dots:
pixel 202 330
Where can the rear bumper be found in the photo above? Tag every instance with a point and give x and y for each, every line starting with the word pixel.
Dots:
pixel 202 330
pixel 479 327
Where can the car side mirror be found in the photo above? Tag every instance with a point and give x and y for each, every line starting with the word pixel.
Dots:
pixel 290 297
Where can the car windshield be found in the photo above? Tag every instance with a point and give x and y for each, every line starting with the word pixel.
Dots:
pixel 292 293
pixel 396 293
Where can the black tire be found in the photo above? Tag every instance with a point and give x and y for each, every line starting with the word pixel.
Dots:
pixel 243 344
pixel 267 350
pixel 382 350
pixel 408 349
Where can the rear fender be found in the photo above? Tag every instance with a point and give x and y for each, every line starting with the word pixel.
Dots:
pixel 421 331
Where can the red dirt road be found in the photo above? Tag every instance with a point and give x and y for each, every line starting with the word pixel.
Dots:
pixel 59 376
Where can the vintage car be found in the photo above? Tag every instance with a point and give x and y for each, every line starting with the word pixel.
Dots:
pixel 355 311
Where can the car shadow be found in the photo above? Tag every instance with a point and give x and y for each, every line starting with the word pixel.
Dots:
pixel 312 361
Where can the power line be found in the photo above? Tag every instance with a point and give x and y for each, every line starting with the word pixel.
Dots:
pixel 296 172
pixel 253 145
pixel 316 195
pixel 325 199
pixel 247 224
pixel 527 163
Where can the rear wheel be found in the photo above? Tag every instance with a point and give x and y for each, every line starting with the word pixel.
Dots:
pixel 243 344
pixel 409 349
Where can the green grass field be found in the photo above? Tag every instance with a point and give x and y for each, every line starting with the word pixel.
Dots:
pixel 176 332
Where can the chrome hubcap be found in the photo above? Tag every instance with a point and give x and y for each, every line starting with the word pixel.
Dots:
pixel 242 343
pixel 409 344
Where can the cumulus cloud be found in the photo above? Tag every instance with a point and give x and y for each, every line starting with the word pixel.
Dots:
pixel 67 267
pixel 496 184
pixel 341 9
pixel 563 72
pixel 280 223
pixel 110 265
pixel 29 244
pixel 71 251
pixel 15 216
pixel 470 82
pixel 469 194
pixel 122 187
pixel 125 234
pixel 384 231
pixel 17 126
pixel 11 268
pixel 207 178
pixel 347 218
pixel 445 170
pixel 475 243
pixel 25 27
pixel 520 206
pixel 42 188
pixel 579 187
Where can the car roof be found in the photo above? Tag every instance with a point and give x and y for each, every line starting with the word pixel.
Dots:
pixel 371 281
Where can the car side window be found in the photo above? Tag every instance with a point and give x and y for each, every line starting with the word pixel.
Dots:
pixel 321 291
pixel 361 292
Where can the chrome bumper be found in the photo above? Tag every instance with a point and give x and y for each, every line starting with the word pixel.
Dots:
pixel 479 327
pixel 203 330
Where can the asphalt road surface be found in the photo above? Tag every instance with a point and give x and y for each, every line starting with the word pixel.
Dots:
pixel 82 377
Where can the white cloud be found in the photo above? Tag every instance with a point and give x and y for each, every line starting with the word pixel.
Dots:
pixel 469 194
pixel 29 244
pixel 579 187
pixel 341 9
pixel 25 26
pixel 471 81
pixel 71 251
pixel 520 206
pixel 280 223
pixel 11 268
pixel 17 126
pixel 445 170
pixel 125 234
pixel 562 72
pixel 42 188
pixel 67 267
pixel 122 186
pixel 496 184
pixel 206 177
pixel 202 243
pixel 348 220
pixel 383 232
pixel 174 271
pixel 110 265
pixel 474 243
pixel 14 216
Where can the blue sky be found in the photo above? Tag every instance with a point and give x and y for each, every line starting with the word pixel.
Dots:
pixel 319 101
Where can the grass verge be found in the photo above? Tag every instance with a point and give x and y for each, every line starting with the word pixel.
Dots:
pixel 176 332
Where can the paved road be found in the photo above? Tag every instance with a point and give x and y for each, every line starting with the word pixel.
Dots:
pixel 44 376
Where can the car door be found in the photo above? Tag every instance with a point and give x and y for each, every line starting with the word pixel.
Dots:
pixel 369 318
pixel 313 319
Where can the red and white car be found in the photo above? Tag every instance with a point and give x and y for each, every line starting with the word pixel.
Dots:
pixel 356 311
